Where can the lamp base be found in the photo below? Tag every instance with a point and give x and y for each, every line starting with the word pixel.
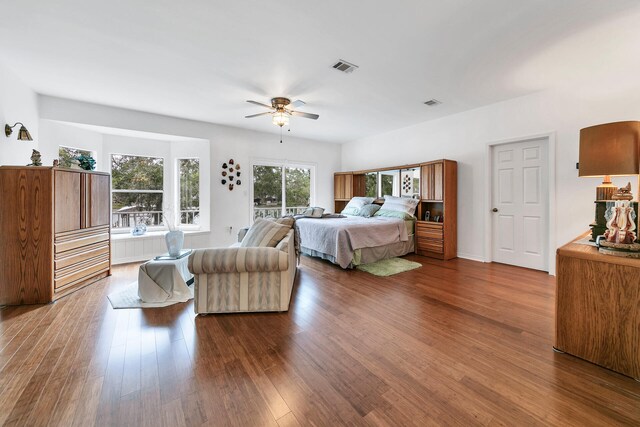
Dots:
pixel 605 190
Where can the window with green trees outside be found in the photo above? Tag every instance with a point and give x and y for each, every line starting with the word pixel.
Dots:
pixel 137 184
pixel 280 190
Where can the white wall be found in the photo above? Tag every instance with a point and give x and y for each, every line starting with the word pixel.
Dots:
pixel 464 137
pixel 54 134
pixel 18 103
pixel 228 208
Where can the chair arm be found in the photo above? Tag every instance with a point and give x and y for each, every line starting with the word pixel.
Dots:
pixel 237 260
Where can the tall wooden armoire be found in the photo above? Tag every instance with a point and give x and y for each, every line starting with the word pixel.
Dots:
pixel 55 233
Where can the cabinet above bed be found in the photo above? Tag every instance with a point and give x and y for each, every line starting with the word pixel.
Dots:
pixel 434 183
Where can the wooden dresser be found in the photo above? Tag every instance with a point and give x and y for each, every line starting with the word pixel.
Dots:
pixel 54 232
pixel 598 307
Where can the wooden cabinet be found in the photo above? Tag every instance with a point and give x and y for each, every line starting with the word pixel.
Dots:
pixel 432 181
pixel 343 186
pixel 597 300
pixel 439 188
pixel 54 231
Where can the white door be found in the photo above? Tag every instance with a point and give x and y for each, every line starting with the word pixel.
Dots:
pixel 520 200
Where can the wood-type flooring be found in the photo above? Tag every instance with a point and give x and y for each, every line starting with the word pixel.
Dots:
pixel 451 343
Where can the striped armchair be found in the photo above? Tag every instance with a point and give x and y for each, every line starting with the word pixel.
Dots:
pixel 238 279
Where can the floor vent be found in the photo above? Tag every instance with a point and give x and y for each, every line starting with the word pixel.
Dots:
pixel 432 102
pixel 344 66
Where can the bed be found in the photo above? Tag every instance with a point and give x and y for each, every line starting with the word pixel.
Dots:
pixel 353 240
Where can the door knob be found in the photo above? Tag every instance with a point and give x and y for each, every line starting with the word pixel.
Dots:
pixel 494 209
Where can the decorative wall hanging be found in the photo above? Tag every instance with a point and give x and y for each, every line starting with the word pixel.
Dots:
pixel 230 171
pixel 406 184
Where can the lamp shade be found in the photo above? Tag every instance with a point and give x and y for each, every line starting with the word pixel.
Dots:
pixel 610 149
pixel 24 135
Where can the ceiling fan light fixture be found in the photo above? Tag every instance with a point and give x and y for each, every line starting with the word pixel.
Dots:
pixel 280 119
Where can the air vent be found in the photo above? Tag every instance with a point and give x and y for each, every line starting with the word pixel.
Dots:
pixel 432 102
pixel 344 66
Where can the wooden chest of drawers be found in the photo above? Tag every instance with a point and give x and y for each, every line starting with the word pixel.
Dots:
pixel 429 239
pixel 55 237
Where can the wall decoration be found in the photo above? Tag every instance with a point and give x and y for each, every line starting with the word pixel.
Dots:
pixel 229 169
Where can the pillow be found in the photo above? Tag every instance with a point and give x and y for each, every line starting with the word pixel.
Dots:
pixel 285 220
pixel 264 232
pixel 359 202
pixel 350 211
pixel 355 204
pixel 400 204
pixel 393 214
pixel 367 211
pixel 313 212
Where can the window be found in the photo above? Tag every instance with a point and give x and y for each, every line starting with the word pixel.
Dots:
pixel 280 189
pixel 189 191
pixel 137 190
pixel 67 154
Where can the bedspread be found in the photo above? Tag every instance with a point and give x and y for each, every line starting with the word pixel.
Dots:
pixel 340 237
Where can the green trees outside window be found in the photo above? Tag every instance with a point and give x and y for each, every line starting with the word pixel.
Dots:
pixel 137 190
pixel 274 196
pixel 189 191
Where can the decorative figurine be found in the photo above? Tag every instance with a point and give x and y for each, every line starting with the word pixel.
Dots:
pixel 620 223
pixel 623 193
pixel 87 163
pixel 36 158
pixel 139 230
pixel 619 239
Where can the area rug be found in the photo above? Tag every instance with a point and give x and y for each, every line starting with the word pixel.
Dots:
pixel 389 267
pixel 128 298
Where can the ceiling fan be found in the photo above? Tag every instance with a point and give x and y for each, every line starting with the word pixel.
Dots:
pixel 281 109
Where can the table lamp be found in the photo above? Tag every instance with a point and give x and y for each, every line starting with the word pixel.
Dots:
pixel 611 149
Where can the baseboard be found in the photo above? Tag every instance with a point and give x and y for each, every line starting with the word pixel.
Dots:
pixel 470 257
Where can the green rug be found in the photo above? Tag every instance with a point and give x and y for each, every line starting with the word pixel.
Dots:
pixel 389 267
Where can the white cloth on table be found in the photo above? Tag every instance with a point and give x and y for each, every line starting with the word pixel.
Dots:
pixel 164 281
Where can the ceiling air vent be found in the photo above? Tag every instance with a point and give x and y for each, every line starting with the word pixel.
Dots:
pixel 344 66
pixel 432 102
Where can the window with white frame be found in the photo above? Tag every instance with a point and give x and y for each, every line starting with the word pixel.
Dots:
pixel 281 189
pixel 189 191
pixel 137 193
pixel 67 155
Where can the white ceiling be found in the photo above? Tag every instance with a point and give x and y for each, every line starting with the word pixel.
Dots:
pixel 202 59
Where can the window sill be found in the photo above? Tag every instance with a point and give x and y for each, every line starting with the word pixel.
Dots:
pixel 154 234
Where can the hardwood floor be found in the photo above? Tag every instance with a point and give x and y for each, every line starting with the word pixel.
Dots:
pixel 451 343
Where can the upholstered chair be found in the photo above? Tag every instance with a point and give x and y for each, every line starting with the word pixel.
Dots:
pixel 244 279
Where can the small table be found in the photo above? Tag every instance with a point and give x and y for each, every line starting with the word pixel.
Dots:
pixel 162 281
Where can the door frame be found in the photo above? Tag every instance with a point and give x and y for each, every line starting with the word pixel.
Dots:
pixel 550 138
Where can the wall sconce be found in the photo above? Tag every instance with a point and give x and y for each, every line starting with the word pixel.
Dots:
pixel 23 133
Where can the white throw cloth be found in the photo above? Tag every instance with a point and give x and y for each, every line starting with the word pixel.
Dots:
pixel 164 281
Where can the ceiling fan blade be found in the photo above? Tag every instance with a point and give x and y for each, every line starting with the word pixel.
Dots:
pixel 260 104
pixel 257 115
pixel 305 115
pixel 296 104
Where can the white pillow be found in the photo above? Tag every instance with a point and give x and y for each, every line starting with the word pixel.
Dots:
pixel 359 202
pixel 313 212
pixel 400 204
